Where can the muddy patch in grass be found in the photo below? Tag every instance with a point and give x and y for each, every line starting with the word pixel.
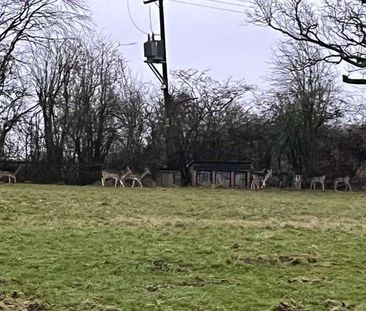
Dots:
pixel 14 302
pixel 8 281
pixel 305 280
pixel 198 281
pixel 291 305
pixel 334 305
pixel 161 266
pixel 293 260
pixel 156 287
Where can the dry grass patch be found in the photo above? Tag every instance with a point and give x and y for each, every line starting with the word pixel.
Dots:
pixel 14 302
pixel 281 259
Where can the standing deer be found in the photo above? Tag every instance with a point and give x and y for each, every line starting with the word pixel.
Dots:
pixel 259 179
pixel 344 180
pixel 297 181
pixel 138 179
pixel 10 175
pixel 318 179
pixel 118 176
pixel 255 184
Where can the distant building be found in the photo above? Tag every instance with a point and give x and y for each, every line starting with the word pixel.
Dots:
pixel 227 174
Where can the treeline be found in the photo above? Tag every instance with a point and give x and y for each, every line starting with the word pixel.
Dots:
pixel 69 105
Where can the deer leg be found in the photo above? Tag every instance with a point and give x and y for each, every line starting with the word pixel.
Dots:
pixel 323 186
pixel 115 182
pixel 121 182
pixel 133 183
pixel 253 185
pixel 335 186
pixel 140 183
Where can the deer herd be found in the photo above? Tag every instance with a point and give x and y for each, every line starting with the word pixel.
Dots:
pixel 259 179
pixel 118 176
pixel 121 176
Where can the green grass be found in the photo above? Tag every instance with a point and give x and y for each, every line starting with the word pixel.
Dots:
pixel 87 248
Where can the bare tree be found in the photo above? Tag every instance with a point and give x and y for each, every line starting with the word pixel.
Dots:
pixel 338 26
pixel 206 112
pixel 51 71
pixel 306 99
pixel 25 24
pixel 14 102
pixel 131 114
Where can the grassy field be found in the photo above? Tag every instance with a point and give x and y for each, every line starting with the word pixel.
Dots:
pixel 94 248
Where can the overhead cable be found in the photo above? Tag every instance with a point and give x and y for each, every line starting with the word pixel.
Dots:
pixel 226 2
pixel 208 6
pixel 131 18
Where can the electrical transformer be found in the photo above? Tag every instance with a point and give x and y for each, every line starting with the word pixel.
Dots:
pixel 154 51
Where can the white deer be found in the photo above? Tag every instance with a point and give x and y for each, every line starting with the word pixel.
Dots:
pixel 344 180
pixel 118 176
pixel 318 179
pixel 138 179
pixel 10 175
pixel 298 181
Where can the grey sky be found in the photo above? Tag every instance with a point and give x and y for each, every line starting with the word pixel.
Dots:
pixel 197 37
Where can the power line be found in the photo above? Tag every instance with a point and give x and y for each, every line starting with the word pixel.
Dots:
pixel 208 6
pixel 225 2
pixel 151 28
pixel 131 18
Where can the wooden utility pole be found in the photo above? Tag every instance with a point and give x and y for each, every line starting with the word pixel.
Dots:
pixel 155 52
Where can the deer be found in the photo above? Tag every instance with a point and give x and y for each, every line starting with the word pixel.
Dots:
pixel 118 176
pixel 255 184
pixel 317 179
pixel 259 179
pixel 297 181
pixel 344 180
pixel 138 179
pixel 10 175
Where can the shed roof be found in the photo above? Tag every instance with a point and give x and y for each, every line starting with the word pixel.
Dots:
pixel 225 166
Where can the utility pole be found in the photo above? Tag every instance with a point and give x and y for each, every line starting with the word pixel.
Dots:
pixel 155 53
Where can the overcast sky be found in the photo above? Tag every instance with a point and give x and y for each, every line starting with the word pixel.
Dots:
pixel 197 37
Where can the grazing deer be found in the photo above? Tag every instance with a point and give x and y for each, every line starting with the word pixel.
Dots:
pixel 10 175
pixel 118 176
pixel 259 179
pixel 138 179
pixel 297 181
pixel 318 179
pixel 344 180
